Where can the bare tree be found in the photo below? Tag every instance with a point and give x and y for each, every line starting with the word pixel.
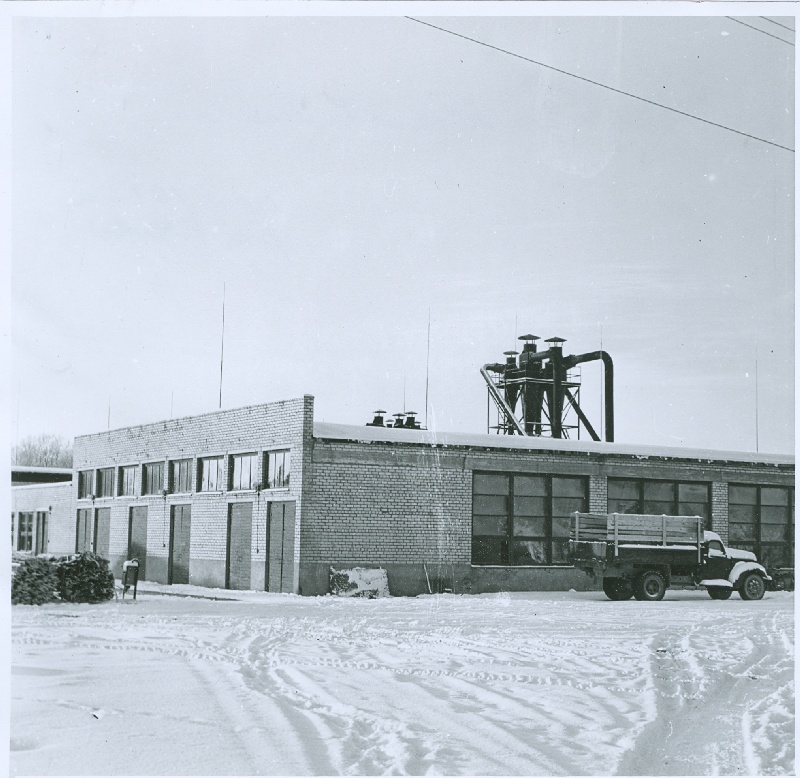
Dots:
pixel 42 451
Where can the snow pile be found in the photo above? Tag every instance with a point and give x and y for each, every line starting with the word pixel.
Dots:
pixel 360 582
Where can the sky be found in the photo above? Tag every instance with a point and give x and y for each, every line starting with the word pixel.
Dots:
pixel 342 181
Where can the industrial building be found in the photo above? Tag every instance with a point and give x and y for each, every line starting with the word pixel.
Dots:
pixel 264 498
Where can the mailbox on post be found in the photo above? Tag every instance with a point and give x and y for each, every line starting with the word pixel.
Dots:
pixel 130 576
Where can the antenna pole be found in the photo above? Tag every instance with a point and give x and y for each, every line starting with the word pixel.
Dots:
pixel 222 347
pixel 16 441
pixel 427 368
pixel 756 397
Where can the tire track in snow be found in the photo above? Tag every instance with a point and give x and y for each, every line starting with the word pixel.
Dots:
pixel 529 731
pixel 704 693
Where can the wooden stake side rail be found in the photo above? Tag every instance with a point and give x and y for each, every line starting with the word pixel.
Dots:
pixel 638 529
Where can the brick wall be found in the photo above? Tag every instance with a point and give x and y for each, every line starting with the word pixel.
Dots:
pixel 719 509
pixel 396 503
pixel 253 429
pixel 384 510
pixel 598 494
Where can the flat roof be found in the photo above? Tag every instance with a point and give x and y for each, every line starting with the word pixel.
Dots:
pixel 366 434
pixel 43 485
pixel 43 470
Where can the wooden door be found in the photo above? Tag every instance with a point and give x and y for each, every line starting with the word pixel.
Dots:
pixel 83 532
pixel 102 531
pixel 278 576
pixel 137 538
pixel 240 539
pixel 179 544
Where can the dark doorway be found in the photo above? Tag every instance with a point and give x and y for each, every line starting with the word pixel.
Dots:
pixel 83 532
pixel 240 535
pixel 41 532
pixel 137 537
pixel 102 531
pixel 280 547
pixel 180 526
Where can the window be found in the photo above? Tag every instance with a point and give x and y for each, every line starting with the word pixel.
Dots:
pixel 761 520
pixel 715 548
pixel 524 519
pixel 277 470
pixel 180 475
pixel 152 478
pixel 243 471
pixel 85 484
pixel 672 498
pixel 211 478
pixel 105 482
pixel 127 479
pixel 25 532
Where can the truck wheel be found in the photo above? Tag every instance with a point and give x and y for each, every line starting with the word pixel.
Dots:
pixel 719 592
pixel 752 587
pixel 650 586
pixel 617 588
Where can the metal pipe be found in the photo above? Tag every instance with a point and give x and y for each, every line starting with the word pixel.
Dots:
pixel 608 376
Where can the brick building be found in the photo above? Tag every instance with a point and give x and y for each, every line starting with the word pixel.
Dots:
pixel 264 498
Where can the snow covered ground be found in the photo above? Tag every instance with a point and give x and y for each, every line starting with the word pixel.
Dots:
pixel 515 684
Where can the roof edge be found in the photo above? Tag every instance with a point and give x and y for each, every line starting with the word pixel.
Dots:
pixel 368 434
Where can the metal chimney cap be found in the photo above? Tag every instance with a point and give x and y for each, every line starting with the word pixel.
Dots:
pixel 511 353
pixel 556 340
pixel 411 413
pixel 379 411
pixel 398 414
pixel 529 337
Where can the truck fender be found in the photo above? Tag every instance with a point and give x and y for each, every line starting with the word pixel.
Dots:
pixel 740 569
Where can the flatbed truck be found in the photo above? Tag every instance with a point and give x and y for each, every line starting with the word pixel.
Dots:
pixel 641 556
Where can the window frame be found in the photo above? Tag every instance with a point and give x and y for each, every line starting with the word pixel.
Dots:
pixel 147 488
pixel 123 471
pixel 286 466
pixel 508 537
pixel 181 478
pixel 220 480
pixel 104 482
pixel 25 526
pixel 85 484
pixel 758 543
pixel 233 459
pixel 675 501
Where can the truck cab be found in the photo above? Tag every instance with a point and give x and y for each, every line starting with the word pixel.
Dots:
pixel 726 569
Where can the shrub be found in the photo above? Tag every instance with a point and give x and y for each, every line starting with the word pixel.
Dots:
pixel 34 583
pixel 84 578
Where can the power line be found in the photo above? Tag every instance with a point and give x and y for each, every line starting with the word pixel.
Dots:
pixel 758 29
pixel 598 83
pixel 785 27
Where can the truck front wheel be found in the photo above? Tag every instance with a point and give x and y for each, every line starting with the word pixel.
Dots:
pixel 617 588
pixel 650 586
pixel 752 587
